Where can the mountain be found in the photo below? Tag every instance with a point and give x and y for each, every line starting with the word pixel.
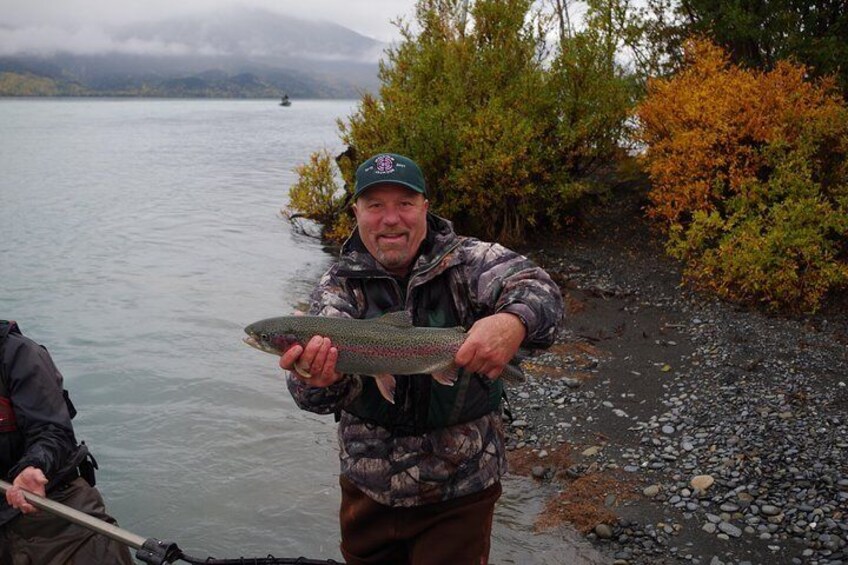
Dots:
pixel 237 53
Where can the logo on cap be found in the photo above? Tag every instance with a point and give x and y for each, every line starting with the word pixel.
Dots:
pixel 385 164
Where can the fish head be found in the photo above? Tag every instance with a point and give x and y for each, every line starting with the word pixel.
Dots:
pixel 271 336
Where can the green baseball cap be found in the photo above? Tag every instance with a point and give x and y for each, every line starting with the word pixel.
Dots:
pixel 389 168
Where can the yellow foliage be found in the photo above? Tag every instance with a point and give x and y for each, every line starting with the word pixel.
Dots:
pixel 316 195
pixel 749 176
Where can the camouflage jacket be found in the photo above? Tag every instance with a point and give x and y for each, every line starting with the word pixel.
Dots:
pixel 484 278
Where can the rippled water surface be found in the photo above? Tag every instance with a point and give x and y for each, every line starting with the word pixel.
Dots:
pixel 139 238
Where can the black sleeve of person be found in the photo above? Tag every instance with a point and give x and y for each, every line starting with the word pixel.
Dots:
pixel 42 413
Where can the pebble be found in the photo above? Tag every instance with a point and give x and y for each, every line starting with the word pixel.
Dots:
pixel 603 531
pixel 702 482
pixel 651 491
pixel 729 529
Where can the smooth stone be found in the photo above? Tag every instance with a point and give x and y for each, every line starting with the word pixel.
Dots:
pixel 769 510
pixel 702 482
pixel 730 529
pixel 651 491
pixel 603 531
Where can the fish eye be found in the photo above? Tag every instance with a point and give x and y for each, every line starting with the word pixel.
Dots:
pixel 264 337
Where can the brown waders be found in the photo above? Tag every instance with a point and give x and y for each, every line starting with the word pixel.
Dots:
pixel 456 531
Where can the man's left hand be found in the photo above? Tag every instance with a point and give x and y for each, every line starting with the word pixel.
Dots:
pixel 31 479
pixel 491 343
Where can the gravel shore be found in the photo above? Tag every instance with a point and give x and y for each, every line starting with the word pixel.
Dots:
pixel 679 428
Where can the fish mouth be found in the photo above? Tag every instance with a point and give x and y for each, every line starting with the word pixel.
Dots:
pixel 259 345
pixel 251 341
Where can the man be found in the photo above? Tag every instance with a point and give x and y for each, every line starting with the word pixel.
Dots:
pixel 39 454
pixel 420 477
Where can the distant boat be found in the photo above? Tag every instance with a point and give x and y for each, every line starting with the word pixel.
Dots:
pixel 285 100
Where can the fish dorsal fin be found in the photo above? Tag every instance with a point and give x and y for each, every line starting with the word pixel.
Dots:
pixel 400 319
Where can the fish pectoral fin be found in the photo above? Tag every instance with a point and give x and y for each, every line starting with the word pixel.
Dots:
pixel 448 377
pixel 386 384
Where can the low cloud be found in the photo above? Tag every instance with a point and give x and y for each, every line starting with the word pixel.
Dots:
pixel 88 40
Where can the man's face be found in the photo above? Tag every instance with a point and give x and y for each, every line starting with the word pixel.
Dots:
pixel 392 222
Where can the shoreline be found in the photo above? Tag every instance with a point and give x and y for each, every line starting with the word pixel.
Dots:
pixel 651 385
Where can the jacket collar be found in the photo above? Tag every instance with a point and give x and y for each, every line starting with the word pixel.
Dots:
pixel 7 327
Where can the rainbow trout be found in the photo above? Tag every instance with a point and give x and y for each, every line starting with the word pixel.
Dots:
pixel 379 347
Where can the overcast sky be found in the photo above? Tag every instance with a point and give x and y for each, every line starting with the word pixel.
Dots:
pixel 368 17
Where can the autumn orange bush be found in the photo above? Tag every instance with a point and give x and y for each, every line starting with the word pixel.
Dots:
pixel 749 178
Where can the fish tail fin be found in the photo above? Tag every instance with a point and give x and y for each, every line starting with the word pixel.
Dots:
pixel 302 372
pixel 513 374
pixel 448 376
pixel 386 384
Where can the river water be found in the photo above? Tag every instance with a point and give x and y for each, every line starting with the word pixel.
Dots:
pixel 138 238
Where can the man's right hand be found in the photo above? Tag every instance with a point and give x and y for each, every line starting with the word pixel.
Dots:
pixel 31 479
pixel 318 360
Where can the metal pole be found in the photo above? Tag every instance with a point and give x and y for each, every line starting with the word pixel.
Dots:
pixel 150 550
pixel 77 517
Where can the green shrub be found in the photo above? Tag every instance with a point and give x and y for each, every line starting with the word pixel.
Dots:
pixel 506 143
pixel 316 195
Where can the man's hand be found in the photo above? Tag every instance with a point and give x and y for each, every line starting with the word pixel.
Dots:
pixel 317 360
pixel 31 479
pixel 491 343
